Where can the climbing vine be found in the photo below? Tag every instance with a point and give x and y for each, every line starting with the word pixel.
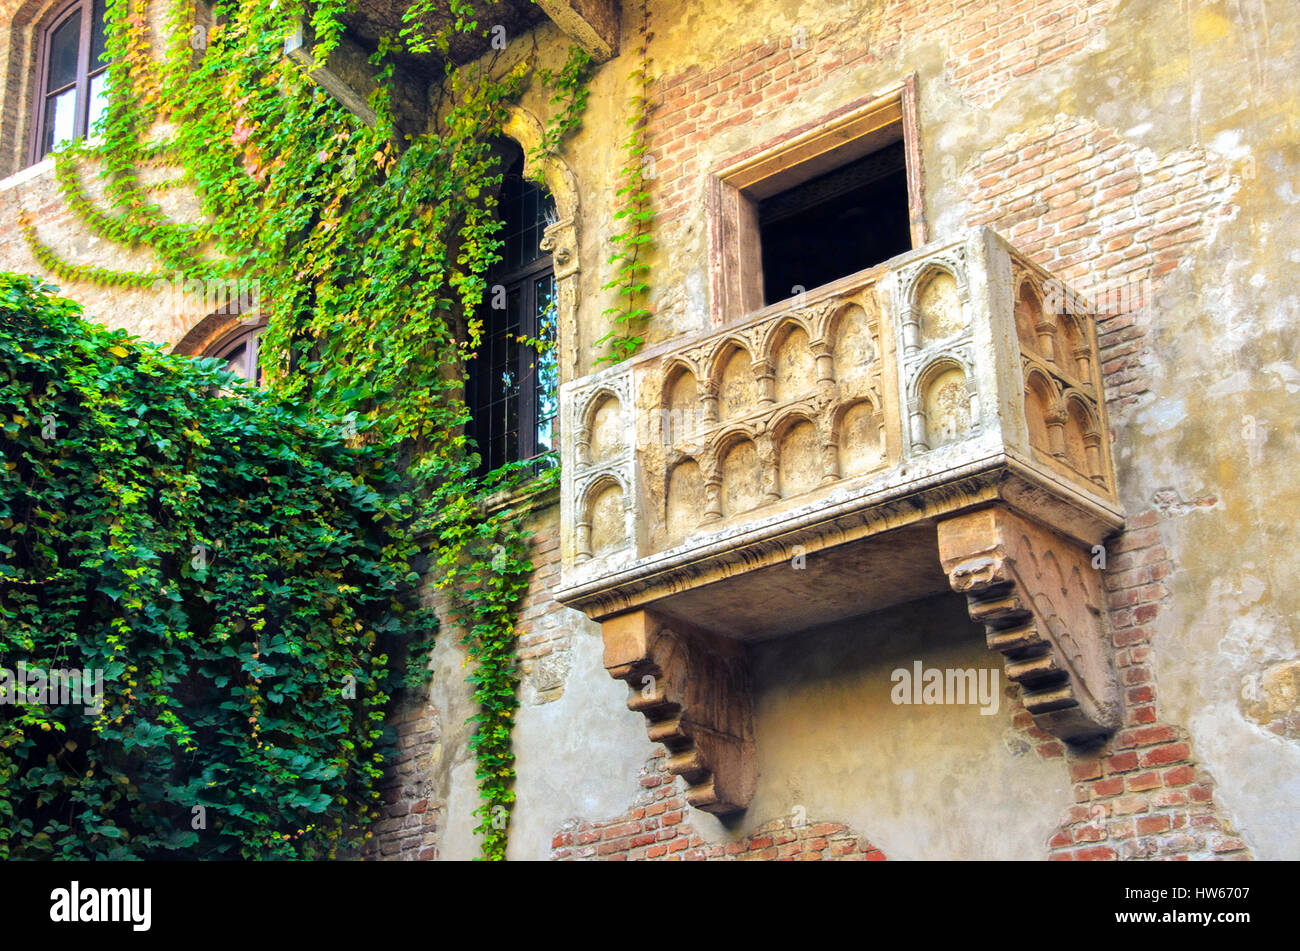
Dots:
pixel 370 246
pixel 569 96
pixel 202 604
pixel 636 214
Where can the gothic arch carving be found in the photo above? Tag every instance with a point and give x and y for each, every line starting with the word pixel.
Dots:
pixel 775 335
pixel 526 129
pixel 603 524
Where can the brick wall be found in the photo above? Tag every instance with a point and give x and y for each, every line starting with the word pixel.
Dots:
pixel 658 828
pixel 1106 218
pixel 1141 795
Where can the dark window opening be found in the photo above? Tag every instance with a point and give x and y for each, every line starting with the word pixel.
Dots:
pixel 836 224
pixel 512 389
pixel 73 76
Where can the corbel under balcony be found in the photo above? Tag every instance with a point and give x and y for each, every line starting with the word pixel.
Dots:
pixel 930 424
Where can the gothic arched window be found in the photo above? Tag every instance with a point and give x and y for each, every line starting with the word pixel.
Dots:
pixel 73 74
pixel 512 389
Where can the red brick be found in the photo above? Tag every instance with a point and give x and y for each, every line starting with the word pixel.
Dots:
pixel 1143 781
pixel 1091 769
pixel 1121 762
pixel 1164 755
pixel 1096 853
pixel 1148 825
pixel 1108 787
pixel 1179 776
pixel 1148 736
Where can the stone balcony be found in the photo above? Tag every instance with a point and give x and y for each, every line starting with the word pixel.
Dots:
pixel 930 424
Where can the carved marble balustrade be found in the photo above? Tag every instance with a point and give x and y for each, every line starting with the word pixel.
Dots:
pixel 935 423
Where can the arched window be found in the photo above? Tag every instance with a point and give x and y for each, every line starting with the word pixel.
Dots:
pixel 239 350
pixel 73 76
pixel 512 390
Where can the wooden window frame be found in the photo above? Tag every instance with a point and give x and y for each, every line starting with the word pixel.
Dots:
pixel 523 278
pixel 81 119
pixel 736 188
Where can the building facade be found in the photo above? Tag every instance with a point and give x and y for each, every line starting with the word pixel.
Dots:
pixel 944 512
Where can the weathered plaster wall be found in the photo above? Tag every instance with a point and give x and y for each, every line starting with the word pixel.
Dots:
pixel 924 782
pixel 917 782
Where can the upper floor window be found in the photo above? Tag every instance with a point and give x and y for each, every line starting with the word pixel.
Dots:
pixel 512 387
pixel 73 76
pixel 817 205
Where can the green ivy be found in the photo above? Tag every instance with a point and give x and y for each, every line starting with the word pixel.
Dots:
pixel 637 216
pixel 569 95
pixel 234 569
pixel 370 249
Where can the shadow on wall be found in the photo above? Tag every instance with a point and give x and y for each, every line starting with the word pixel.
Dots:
pixel 899 724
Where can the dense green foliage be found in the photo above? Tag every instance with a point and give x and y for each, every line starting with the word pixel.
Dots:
pixel 231 566
pixel 370 246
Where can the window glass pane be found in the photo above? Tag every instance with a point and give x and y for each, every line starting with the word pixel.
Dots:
pixel 97 57
pixel 98 99
pixel 65 43
pixel 838 223
pixel 526 208
pixel 511 388
pixel 60 118
pixel 494 384
pixel 548 367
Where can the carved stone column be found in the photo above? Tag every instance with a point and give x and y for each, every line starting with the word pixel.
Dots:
pixel 712 499
pixel 1092 452
pixel 694 691
pixel 1056 419
pixel 1083 362
pixel 830 461
pixel 1043 608
pixel 561 241
pixel 911 329
pixel 709 400
pixel 583 547
pixel 765 378
pixel 823 351
pixel 1046 331
pixel 771 478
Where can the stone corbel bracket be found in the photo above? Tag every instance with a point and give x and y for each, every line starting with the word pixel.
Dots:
pixel 1043 608
pixel 592 24
pixel 694 691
